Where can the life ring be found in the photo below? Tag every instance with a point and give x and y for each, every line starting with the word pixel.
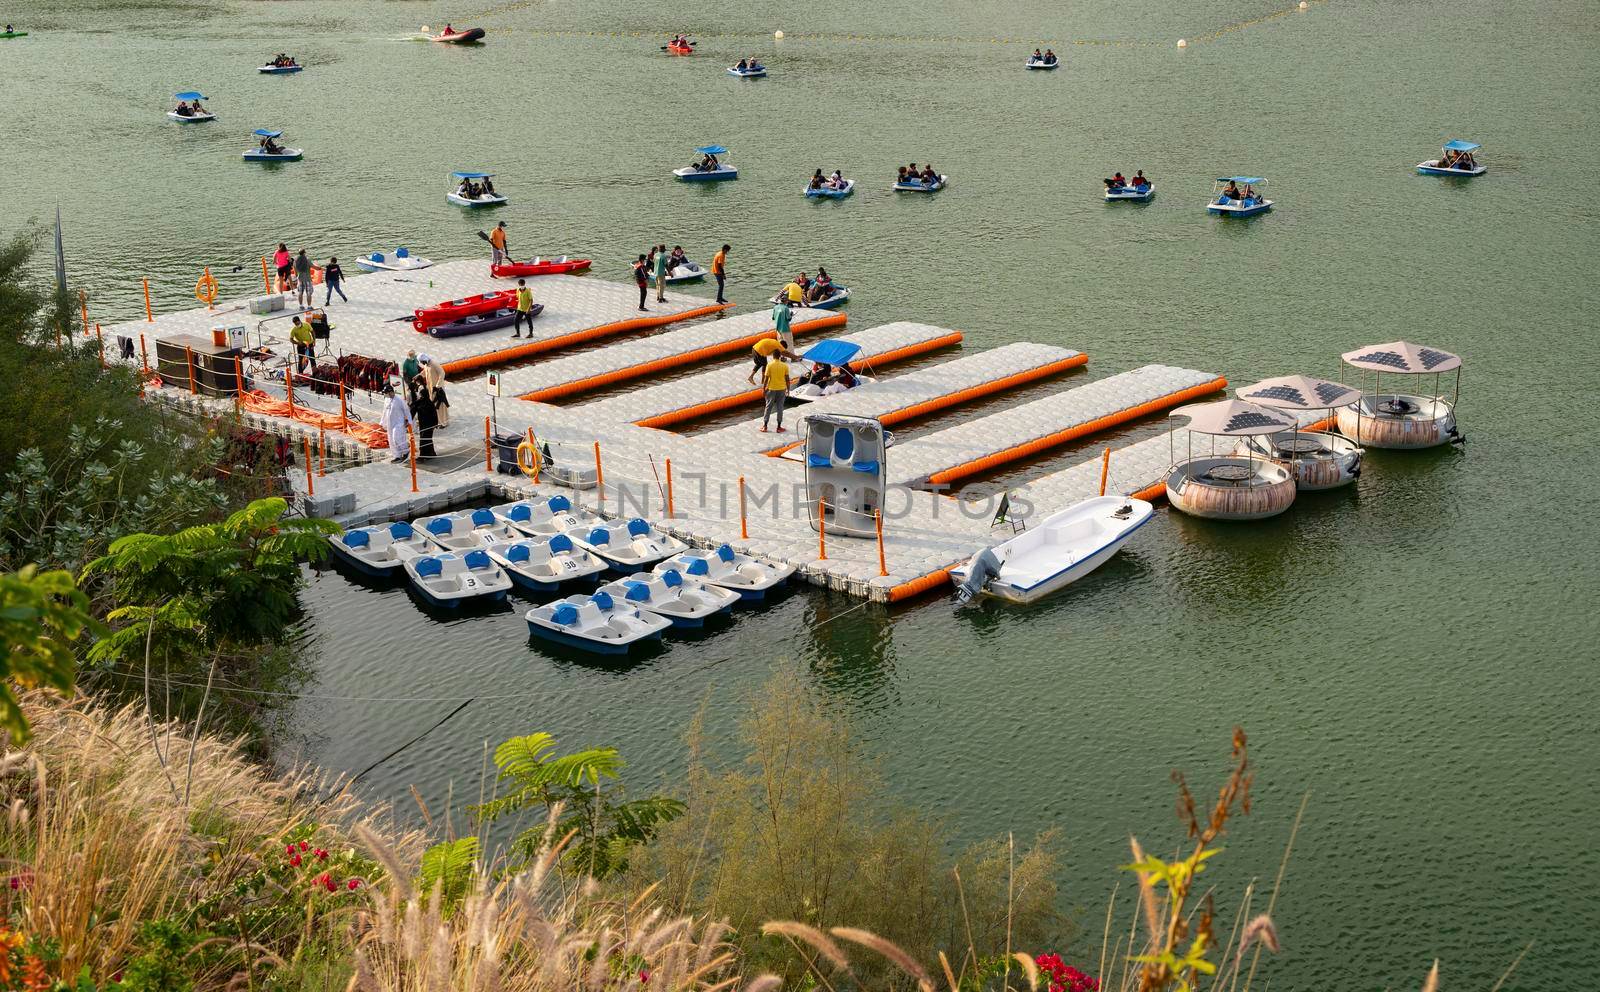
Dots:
pixel 205 288
pixel 529 460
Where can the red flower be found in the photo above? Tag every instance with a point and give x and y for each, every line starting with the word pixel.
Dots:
pixel 304 845
pixel 353 884
pixel 295 860
pixel 321 854
pixel 644 977
pixel 289 849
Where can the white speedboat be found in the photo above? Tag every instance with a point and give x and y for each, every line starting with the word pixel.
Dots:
pixel 666 593
pixel 400 260
pixel 627 545
pixel 595 623
pixel 1062 549
pixel 380 550
pixel 542 564
pixel 545 516
pixel 687 272
pixel 465 530
pixel 751 578
pixel 447 580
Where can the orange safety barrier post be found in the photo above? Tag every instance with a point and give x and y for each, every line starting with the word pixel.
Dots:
pixel 670 514
pixel 149 315
pixel 599 475
pixel 101 338
pixel 1105 469
pixel 288 385
pixel 883 564
pixel 83 303
pixel 488 456
pixel 412 438
pixel 189 352
pixel 344 412
pixel 266 280
pixel 144 357
pixel 309 490
pixel 238 379
pixel 822 531
pixel 322 452
pixel 744 530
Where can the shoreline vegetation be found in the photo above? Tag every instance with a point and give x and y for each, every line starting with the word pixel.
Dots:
pixel 148 565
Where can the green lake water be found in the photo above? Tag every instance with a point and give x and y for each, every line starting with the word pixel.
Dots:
pixel 1418 653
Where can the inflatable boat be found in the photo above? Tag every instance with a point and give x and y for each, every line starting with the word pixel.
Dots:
pixel 687 272
pixel 1062 549
pixel 726 568
pixel 493 320
pixel 466 37
pixel 447 580
pixel 829 193
pixel 545 517
pixel 400 261
pixel 543 564
pixel 753 72
pixel 666 593
pixel 627 546
pixel 280 70
pixel 539 267
pixel 919 187
pixel 466 529
pixel 379 550
pixel 595 623
pixel 453 310
pixel 259 154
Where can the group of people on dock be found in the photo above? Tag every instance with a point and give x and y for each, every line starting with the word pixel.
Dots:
pixel 835 181
pixel 296 274
pixel 473 191
pixel 911 176
pixel 425 407
pixel 1138 181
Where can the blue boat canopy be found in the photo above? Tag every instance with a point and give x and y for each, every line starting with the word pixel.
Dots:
pixel 188 95
pixel 1457 145
pixel 832 352
pixel 1247 180
pixel 712 150
pixel 262 132
pixel 471 175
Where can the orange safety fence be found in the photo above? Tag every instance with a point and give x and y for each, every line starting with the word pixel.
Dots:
pixel 643 369
pixel 370 434
pixel 753 394
pixel 511 354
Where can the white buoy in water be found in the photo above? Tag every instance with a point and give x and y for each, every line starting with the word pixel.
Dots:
pixel 778 35
pixel 1182 43
pixel 1304 5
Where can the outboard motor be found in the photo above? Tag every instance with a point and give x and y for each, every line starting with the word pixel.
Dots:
pixel 983 567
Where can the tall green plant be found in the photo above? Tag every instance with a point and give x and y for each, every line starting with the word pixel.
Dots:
pixel 41 614
pixel 603 826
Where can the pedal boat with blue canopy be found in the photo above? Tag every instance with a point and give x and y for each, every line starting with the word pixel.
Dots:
pixel 695 174
pixel 1454 151
pixel 260 154
pixel 189 96
pixel 627 545
pixel 667 593
pixel 596 623
pixel 449 579
pixel 545 516
pixel 381 549
pixel 726 568
pixel 832 352
pixel 466 529
pixel 482 200
pixel 542 564
pixel 1224 205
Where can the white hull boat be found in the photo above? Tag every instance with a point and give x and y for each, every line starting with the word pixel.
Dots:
pixel 287 155
pixel 809 393
pixel 545 517
pixel 755 73
pixel 666 593
pixel 447 580
pixel 1130 194
pixel 486 200
pixel 380 550
pixel 190 118
pixel 543 564
pixel 465 530
pixel 690 174
pixel 400 261
pixel 687 272
pixel 918 187
pixel 1062 549
pixel 595 623
pixel 1433 168
pixel 751 578
pixel 1042 63
pixel 627 546
pixel 826 192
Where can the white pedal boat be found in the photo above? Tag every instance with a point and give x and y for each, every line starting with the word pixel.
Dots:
pixel 918 187
pixel 400 261
pixel 690 174
pixel 1130 194
pixel 1034 63
pixel 545 516
pixel 465 530
pixel 543 564
pixel 595 623
pixel 279 70
pixel 755 72
pixel 484 200
pixel 627 545
pixel 666 593
pixel 1224 205
pixel 1062 549
pixel 810 394
pixel 826 192
pixel 287 155
pixel 687 272
pixel 1436 166
pixel 447 580
pixel 380 550
pixel 191 118
pixel 837 294
pixel 724 567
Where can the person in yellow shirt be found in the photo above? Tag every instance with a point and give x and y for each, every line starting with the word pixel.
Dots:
pixel 764 350
pixel 777 381
pixel 795 293
pixel 497 241
pixel 305 345
pixel 524 310
pixel 719 268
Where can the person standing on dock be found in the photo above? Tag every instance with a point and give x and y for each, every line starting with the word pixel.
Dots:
pixel 719 268
pixel 427 417
pixel 497 241
pixel 332 276
pixel 524 310
pixel 661 273
pixel 395 419
pixel 641 278
pixel 305 346
pixel 303 287
pixel 777 382
pixel 763 350
pixel 781 313
pixel 409 370
pixel 284 263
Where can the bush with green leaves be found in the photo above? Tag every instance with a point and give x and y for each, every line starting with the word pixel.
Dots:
pixel 41 615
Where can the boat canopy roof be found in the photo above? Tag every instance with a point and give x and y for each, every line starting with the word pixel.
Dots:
pixel 832 352
pixel 1457 145
pixel 1233 418
pixel 188 95
pixel 843 420
pixel 712 150
pixel 262 132
pixel 1247 180
pixel 471 175
pixel 1300 392
pixel 1402 356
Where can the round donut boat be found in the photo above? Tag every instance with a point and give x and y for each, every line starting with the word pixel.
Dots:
pixel 1228 487
pixel 1394 420
pixel 1320 459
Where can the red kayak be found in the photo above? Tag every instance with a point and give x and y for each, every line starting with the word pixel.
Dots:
pixel 539 267
pixel 680 49
pixel 452 310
